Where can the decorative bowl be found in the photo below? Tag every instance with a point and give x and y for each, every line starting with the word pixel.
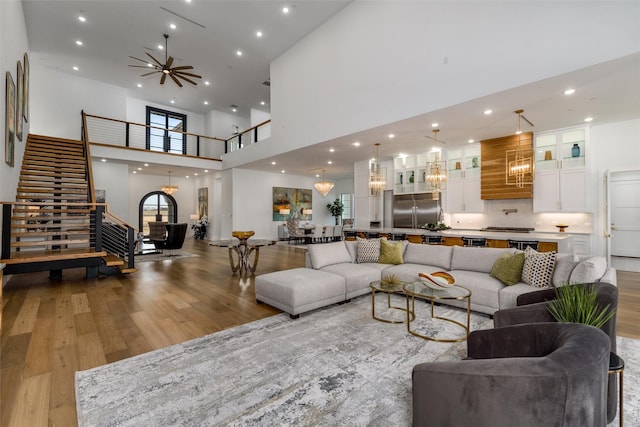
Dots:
pixel 561 227
pixel 438 280
pixel 242 235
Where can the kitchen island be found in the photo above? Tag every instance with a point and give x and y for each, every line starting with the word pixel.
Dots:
pixel 559 242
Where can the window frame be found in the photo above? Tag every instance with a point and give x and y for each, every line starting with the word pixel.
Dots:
pixel 166 145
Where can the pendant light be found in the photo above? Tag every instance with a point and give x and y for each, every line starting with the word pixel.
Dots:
pixel 169 189
pixel 436 174
pixel 323 186
pixel 520 165
pixel 377 176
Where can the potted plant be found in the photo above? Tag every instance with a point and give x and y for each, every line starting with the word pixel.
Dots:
pixel 200 228
pixel 578 304
pixel 336 208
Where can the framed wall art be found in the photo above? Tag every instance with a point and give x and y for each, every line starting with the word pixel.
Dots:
pixel 19 100
pixel 203 202
pixel 10 119
pixel 25 86
pixel 293 200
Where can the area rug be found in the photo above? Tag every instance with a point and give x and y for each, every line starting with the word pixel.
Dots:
pixel 335 366
pixel 174 254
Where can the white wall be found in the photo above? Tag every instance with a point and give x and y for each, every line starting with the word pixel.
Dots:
pixel 258 117
pixel 220 124
pixel 13 45
pixel 114 179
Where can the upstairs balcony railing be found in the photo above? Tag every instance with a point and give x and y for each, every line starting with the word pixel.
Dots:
pixel 121 133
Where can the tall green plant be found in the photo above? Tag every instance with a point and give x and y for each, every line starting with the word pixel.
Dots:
pixel 336 208
pixel 578 304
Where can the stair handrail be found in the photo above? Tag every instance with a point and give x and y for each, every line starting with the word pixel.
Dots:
pixel 130 233
pixel 87 150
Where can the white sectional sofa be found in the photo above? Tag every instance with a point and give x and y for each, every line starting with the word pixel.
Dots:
pixel 470 266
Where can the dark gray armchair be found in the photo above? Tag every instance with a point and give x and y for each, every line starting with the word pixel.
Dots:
pixel 174 238
pixel 532 308
pixel 532 375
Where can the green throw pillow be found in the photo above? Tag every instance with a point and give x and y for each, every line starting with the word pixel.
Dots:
pixel 508 268
pixel 390 253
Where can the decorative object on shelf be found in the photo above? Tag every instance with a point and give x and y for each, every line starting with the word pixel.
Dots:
pixel 323 186
pixel 436 177
pixel 575 150
pixel 458 166
pixel 411 177
pixel 474 162
pixel 561 227
pixel 200 227
pixel 548 155
pixel 169 189
pixel 377 176
pixel 335 209
pixel 578 303
pixel 520 162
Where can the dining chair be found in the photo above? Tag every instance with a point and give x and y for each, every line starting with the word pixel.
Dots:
pixel 337 233
pixel 327 235
pixel 317 235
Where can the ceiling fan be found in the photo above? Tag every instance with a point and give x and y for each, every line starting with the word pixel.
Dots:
pixel 166 69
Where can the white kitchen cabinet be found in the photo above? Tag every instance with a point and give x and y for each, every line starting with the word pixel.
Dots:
pixel 581 244
pixel 463 186
pixel 409 173
pixel 561 179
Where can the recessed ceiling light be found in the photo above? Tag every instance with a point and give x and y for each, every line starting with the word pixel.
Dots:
pixel 139 85
pixel 139 169
pixel 391 135
pixel 356 144
pixel 206 102
pixel 569 91
pixel 331 150
pixel 434 125
pixel 188 1
pixel 173 101
pixel 471 141
pixel 317 175
pixel 206 171
pixel 173 26
pixel 282 171
pixel 82 18
pixel 273 163
pixel 146 164
pixel 135 172
pixel 588 119
pixel 195 174
pixel 329 162
pixel 234 109
pixel 238 52
pixel 75 68
pixel 207 83
pixel 187 176
pixel 487 112
pixel 160 47
pixel 79 42
pixel 285 10
pixel 258 34
pixel 149 64
pixel 104 160
pixel 262 102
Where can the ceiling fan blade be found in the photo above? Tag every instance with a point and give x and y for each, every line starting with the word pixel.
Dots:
pixel 138 59
pixel 184 67
pixel 184 73
pixel 175 80
pixel 154 59
pixel 526 120
pixel 169 62
pixel 142 66
pixel 185 79
pixel 163 78
pixel 148 74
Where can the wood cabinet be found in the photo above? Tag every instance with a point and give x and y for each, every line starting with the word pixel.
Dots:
pixel 561 179
pixel 547 246
pixel 452 241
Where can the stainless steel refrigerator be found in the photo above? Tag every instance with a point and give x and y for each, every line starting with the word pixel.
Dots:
pixel 414 210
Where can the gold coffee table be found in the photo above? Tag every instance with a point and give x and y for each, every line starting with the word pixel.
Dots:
pixel 419 290
pixel 398 288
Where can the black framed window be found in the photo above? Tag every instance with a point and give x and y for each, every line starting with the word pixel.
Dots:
pixel 169 138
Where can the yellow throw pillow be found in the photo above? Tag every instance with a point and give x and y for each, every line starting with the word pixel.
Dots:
pixel 390 253
pixel 508 268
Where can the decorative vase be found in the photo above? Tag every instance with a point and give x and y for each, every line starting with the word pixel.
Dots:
pixel 474 162
pixel 411 178
pixel 575 150
pixel 548 155
pixel 458 165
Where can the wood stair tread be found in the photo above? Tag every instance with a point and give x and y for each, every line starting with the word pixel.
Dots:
pixel 49 210
pixel 51 255
pixel 112 260
pixel 52 233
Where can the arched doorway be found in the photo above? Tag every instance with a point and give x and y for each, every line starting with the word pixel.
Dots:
pixel 156 206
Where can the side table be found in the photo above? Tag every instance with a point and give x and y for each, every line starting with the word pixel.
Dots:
pixel 398 288
pixel 616 366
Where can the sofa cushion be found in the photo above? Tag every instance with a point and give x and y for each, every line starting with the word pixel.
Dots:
pixel 368 250
pixel 588 271
pixel 436 255
pixel 357 276
pixel 327 254
pixel 508 296
pixel 352 248
pixel 484 288
pixel 565 263
pixel 508 268
pixel 538 268
pixel 390 252
pixel 476 259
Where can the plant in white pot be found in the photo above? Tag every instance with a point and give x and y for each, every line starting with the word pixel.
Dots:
pixel 336 208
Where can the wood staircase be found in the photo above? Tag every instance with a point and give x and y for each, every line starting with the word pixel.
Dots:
pixel 53 222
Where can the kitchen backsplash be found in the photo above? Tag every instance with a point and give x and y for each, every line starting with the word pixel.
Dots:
pixel 519 213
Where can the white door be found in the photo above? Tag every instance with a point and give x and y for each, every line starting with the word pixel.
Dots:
pixel 625 213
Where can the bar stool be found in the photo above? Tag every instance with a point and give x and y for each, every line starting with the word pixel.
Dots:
pixel 522 244
pixel 398 236
pixel 431 240
pixel 474 241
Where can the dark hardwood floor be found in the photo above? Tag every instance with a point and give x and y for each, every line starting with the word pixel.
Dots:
pixel 50 329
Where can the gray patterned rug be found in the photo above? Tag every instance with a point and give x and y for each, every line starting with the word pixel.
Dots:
pixel 334 366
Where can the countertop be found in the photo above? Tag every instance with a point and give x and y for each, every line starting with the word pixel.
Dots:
pixel 498 235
